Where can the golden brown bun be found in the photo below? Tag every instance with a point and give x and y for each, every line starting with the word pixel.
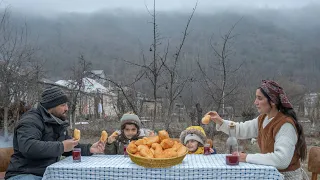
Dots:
pixel 132 148
pixel 141 142
pixel 163 135
pixel 115 134
pixel 176 145
pixel 161 146
pixel 167 143
pixel 152 150
pixel 137 154
pixel 182 150
pixel 76 134
pixel 104 136
pixel 206 119
pixel 170 153
pixel 146 152
pixel 156 146
pixel 152 139
pixel 140 147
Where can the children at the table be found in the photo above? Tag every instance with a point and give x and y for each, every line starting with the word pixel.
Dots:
pixel 194 138
pixel 129 130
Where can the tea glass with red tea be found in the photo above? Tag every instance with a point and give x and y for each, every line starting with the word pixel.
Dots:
pixel 76 155
pixel 232 159
pixel 125 153
pixel 206 149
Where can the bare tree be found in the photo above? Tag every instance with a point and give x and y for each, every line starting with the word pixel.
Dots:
pixel 39 73
pixel 76 84
pixel 153 69
pixel 176 83
pixel 16 54
pixel 224 82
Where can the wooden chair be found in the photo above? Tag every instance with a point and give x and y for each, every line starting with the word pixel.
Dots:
pixel 5 155
pixel 314 162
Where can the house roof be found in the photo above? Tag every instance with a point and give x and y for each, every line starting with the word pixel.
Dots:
pixel 97 72
pixel 46 81
pixel 90 86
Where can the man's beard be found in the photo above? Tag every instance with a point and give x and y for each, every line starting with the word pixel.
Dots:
pixel 60 116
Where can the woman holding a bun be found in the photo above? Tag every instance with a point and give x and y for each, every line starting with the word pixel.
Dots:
pixel 279 134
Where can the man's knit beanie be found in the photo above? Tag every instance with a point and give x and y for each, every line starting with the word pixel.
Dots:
pixel 52 97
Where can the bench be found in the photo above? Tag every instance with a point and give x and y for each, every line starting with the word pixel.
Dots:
pixel 314 162
pixel 5 155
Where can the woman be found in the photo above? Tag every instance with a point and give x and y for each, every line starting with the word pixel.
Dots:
pixel 280 136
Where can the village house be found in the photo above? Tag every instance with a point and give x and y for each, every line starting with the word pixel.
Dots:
pixel 94 99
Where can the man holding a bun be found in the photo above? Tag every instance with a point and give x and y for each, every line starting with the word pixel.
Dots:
pixel 40 138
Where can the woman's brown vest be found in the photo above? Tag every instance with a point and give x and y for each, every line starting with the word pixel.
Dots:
pixel 267 135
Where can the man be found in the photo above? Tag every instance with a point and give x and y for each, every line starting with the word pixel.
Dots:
pixel 40 138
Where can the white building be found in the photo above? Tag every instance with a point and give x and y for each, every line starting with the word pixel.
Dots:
pixel 99 76
pixel 311 104
pixel 93 97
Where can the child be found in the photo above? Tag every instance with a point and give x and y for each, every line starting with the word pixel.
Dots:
pixel 194 139
pixel 130 130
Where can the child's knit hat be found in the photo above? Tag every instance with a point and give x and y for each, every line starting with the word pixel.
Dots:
pixel 195 133
pixel 130 118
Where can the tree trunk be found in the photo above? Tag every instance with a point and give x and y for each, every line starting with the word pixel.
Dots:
pixel 155 108
pixel 5 122
pixel 71 120
pixel 223 102
pixel 199 115
pixel 168 118
pixel 155 75
pixel 18 117
pixel 103 113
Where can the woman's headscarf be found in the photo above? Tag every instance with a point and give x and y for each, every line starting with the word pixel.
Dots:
pixel 276 93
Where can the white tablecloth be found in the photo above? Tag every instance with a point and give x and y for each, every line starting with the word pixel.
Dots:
pixel 193 167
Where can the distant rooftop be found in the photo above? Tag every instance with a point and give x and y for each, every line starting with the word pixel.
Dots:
pixel 47 81
pixel 97 71
pixel 90 86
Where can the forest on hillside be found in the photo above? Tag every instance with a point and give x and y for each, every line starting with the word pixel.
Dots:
pixel 266 43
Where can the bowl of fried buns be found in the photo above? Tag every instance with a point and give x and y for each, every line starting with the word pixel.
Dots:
pixel 159 151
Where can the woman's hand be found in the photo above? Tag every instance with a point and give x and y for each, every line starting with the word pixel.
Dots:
pixel 242 157
pixel 215 117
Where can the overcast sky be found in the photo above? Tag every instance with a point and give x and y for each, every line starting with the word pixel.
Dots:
pixel 46 6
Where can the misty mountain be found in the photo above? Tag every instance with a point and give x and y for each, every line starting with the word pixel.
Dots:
pixel 269 42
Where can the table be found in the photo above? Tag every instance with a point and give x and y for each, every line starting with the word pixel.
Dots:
pixel 192 167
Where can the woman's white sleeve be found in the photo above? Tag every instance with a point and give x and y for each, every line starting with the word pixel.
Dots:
pixel 244 130
pixel 285 142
